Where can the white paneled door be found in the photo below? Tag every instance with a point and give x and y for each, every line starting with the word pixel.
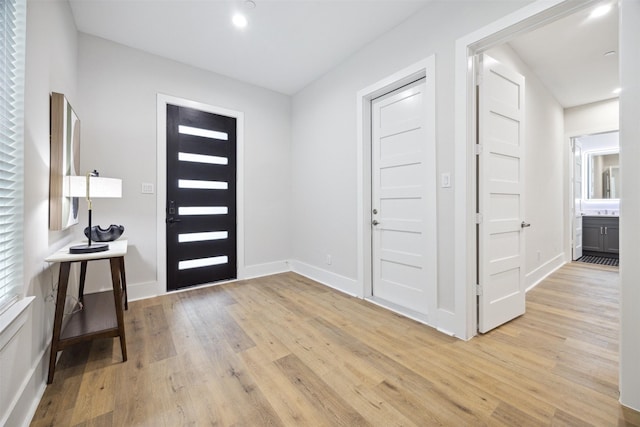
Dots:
pixel 502 225
pixel 401 235
pixel 577 198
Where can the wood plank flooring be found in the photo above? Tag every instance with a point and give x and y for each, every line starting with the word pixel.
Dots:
pixel 285 351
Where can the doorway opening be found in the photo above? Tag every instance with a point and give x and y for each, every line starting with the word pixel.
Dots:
pixel 596 195
pixel 525 20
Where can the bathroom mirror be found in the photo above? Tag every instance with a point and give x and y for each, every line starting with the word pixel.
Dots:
pixel 603 175
pixel 64 162
pixel 600 172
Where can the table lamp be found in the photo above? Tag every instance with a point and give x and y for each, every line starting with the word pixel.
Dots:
pixel 92 186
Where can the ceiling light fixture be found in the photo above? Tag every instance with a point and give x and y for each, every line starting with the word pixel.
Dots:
pixel 239 20
pixel 610 53
pixel 617 90
pixel 600 11
pixel 250 4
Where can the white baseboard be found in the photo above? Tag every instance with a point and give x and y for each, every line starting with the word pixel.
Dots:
pixel 22 390
pixel 266 269
pixel 327 278
pixel 539 274
pixel 143 290
pixel 34 389
pixel 446 323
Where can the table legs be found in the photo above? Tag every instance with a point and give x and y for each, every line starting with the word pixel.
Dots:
pixel 118 288
pixel 63 282
pixel 119 283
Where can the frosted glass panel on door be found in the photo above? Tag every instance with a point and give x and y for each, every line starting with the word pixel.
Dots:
pixel 203 210
pixel 202 237
pixel 202 158
pixel 202 262
pixel 204 133
pixel 202 185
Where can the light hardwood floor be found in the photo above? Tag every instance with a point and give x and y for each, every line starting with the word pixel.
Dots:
pixel 283 350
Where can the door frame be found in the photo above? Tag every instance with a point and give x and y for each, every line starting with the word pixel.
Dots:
pixel 161 190
pixel 572 198
pixel 465 324
pixel 569 137
pixel 424 68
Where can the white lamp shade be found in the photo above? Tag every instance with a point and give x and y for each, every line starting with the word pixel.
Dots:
pixel 99 187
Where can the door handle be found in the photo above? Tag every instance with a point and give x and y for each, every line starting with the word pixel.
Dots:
pixel 605 230
pixel 525 224
pixel 601 230
pixel 375 222
pixel 172 220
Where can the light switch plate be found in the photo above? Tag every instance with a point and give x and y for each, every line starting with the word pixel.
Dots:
pixel 445 180
pixel 147 188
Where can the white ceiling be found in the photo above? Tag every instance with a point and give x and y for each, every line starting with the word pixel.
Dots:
pixel 287 44
pixel 567 55
pixel 290 43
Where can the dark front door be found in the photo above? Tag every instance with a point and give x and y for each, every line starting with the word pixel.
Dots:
pixel 201 197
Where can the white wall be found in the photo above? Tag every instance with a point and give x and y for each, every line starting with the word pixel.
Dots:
pixel 118 87
pixel 544 172
pixel 51 61
pixel 597 117
pixel 630 203
pixel 324 137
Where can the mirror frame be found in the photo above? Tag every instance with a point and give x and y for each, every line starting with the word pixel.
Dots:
pixel 64 162
pixel 587 161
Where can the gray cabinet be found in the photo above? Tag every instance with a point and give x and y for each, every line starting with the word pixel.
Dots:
pixel 600 235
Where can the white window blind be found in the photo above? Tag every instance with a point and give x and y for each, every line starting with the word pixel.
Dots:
pixel 12 50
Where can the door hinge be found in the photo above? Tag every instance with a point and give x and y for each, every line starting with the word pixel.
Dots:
pixel 478 218
pixel 477 149
pixel 478 290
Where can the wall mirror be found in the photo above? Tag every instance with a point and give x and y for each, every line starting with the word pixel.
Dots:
pixel 603 175
pixel 601 160
pixel 64 162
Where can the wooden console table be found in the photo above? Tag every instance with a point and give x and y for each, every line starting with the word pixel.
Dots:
pixel 101 314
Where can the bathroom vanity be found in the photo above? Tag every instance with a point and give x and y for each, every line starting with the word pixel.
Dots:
pixel 600 235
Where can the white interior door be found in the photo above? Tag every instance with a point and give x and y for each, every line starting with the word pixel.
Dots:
pixel 577 197
pixel 401 234
pixel 502 227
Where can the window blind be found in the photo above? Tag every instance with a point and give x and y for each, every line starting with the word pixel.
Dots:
pixel 12 51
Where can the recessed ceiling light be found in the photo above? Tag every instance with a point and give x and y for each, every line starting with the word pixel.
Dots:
pixel 617 90
pixel 600 11
pixel 250 4
pixel 239 20
pixel 610 53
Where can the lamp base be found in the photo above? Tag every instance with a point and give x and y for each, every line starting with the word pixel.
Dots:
pixel 86 249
